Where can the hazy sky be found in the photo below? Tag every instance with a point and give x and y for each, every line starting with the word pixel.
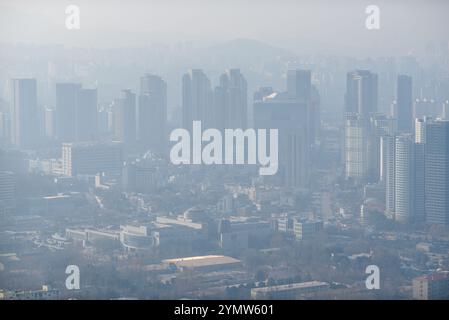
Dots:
pixel 309 26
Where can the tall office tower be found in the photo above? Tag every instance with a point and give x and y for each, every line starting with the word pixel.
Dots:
pixel 437 172
pixel 87 115
pixel 361 93
pixel 92 158
pixel 24 128
pixel 289 116
pixel 7 192
pixel 66 113
pixel 404 104
pixel 360 105
pixel 230 101
pixel 420 129
pixel 299 83
pixel 299 86
pixel 389 149
pixel 5 127
pixel 125 118
pixel 356 164
pixel 49 122
pixel 404 202
pixel 380 125
pixel 445 113
pixel 152 113
pixel 220 104
pixel 76 113
pixel 196 99
pixel 420 187
pixel 314 116
pixel 420 165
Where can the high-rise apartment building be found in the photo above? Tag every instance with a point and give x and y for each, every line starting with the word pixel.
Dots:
pixel 76 113
pixel 289 116
pixel 230 101
pixel 437 172
pixel 152 113
pixel 125 122
pixel 197 99
pixel 361 93
pixel 404 202
pixel 404 104
pixel 7 192
pixel 24 127
pixel 356 136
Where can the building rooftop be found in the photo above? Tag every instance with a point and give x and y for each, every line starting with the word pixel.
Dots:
pixel 201 261
pixel 290 286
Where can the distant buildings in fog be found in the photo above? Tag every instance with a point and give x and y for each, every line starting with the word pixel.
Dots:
pixel 225 106
pixel 417 184
pixel 294 113
pixel 90 158
pixel 24 127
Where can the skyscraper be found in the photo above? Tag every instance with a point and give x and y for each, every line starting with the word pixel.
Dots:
pixel 380 125
pixel 356 164
pixel 230 101
pixel 152 113
pixel 66 113
pixel 125 118
pixel 289 116
pixel 299 86
pixel 7 192
pixel 437 172
pixel 24 128
pixel 404 179
pixel 196 99
pixel 361 93
pixel 404 104
pixel 388 175
pixel 76 113
pixel 87 115
pixel 299 83
pixel 360 139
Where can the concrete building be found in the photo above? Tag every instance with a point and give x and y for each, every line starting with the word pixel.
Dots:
pixel 203 263
pixel 124 118
pixel 288 291
pixel 7 192
pixel 197 99
pixel 152 114
pixel 437 172
pixel 404 179
pixel 404 104
pixel 238 234
pixel 76 113
pixel 24 128
pixel 355 147
pixel 361 93
pixel 306 229
pixel 46 293
pixel 90 158
pixel 431 287
pixel 290 117
pixel 137 238
pixel 230 101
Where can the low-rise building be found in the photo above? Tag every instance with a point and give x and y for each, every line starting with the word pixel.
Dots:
pixel 434 286
pixel 288 291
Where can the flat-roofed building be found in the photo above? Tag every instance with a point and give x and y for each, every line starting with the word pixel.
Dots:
pixel 7 192
pixel 203 263
pixel 288 291
pixel 92 158
pixel 431 287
